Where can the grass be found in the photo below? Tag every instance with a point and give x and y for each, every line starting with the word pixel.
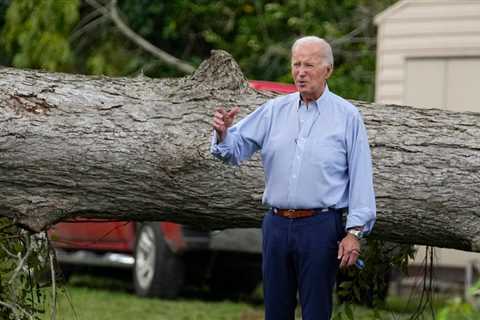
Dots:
pixel 100 298
pixel 90 304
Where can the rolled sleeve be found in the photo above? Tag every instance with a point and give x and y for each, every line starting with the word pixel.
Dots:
pixel 361 217
pixel 243 139
pixel 222 150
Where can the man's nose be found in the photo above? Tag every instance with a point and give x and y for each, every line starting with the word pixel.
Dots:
pixel 302 71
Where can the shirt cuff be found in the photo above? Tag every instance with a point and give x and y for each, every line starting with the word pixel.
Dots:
pixel 361 217
pixel 220 149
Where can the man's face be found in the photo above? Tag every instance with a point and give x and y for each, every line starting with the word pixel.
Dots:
pixel 310 70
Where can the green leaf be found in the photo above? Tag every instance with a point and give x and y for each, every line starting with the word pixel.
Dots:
pixel 349 312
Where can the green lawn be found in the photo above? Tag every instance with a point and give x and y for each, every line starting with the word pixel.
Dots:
pixel 88 304
pixel 89 298
pixel 97 298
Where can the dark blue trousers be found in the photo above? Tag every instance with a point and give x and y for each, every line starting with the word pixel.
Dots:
pixel 300 255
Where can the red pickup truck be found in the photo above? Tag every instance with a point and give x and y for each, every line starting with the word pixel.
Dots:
pixel 164 255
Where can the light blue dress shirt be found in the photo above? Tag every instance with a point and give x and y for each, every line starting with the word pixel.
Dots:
pixel 315 157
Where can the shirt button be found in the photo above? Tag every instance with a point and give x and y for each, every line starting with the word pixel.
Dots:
pixel 298 157
pixel 294 176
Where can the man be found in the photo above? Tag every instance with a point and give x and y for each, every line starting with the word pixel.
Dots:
pixel 317 164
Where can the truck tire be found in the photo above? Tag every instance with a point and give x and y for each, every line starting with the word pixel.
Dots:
pixel 157 272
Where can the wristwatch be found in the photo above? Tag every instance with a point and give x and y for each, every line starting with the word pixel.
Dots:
pixel 356 232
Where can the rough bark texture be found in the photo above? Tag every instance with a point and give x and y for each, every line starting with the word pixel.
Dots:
pixel 126 148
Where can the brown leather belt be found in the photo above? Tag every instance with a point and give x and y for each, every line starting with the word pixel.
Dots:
pixel 298 213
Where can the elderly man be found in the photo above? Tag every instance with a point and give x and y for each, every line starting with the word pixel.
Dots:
pixel 317 165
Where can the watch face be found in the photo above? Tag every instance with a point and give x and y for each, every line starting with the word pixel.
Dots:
pixel 356 233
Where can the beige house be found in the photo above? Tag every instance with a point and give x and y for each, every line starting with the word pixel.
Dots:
pixel 428 55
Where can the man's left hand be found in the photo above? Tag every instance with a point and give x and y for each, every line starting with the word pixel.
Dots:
pixel 348 250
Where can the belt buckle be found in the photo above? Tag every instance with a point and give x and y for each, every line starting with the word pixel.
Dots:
pixel 290 213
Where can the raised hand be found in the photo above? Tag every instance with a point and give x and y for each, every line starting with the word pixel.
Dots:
pixel 222 120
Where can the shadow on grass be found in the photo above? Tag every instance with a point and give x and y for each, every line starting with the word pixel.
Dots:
pixel 121 281
pixel 116 280
pixel 101 278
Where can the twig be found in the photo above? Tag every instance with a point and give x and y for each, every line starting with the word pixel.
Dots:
pixel 10 237
pixel 70 303
pixel 8 252
pixel 106 234
pixel 21 263
pixel 349 36
pixel 15 308
pixel 54 293
pixel 139 40
pixel 87 27
pixel 7 226
pixel 53 263
pixel 88 18
pixel 427 287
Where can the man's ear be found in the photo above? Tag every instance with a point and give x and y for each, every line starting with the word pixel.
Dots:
pixel 329 71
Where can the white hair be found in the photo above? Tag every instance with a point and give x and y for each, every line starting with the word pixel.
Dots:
pixel 327 49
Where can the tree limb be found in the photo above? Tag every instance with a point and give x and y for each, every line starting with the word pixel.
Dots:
pixel 167 58
pixel 138 149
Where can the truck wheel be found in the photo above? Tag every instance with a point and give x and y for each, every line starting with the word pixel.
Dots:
pixel 157 272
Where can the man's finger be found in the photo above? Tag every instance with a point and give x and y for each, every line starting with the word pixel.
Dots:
pixel 218 115
pixel 342 255
pixel 340 251
pixel 219 126
pixel 232 113
pixel 218 121
pixel 220 110
pixel 352 258
pixel 356 251
pixel 344 261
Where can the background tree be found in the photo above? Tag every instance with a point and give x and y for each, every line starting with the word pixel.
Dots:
pixel 35 34
pixel 76 37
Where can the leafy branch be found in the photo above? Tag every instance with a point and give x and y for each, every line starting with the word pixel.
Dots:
pixel 22 266
pixel 110 11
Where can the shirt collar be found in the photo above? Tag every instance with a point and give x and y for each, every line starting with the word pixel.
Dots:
pixel 317 102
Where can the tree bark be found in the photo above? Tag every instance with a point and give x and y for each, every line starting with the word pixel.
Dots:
pixel 138 148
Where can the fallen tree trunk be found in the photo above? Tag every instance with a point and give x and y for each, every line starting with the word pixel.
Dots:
pixel 138 148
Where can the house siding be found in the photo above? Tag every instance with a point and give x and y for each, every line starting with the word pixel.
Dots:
pixel 422 28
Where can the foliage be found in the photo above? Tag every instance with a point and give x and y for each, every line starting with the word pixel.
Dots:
pixel 21 261
pixel 456 309
pixel 259 34
pixel 67 36
pixel 112 59
pixel 36 33
pixel 369 286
